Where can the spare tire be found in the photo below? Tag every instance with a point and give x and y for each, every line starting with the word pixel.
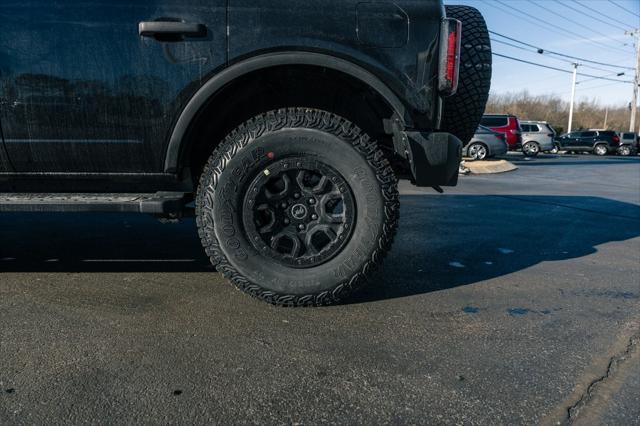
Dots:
pixel 462 112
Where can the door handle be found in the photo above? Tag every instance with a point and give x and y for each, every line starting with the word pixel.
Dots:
pixel 171 30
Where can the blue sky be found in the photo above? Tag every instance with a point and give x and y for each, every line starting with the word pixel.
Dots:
pixel 556 25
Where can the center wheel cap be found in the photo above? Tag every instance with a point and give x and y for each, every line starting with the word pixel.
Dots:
pixel 299 211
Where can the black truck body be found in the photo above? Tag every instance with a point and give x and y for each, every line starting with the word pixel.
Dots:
pixel 113 105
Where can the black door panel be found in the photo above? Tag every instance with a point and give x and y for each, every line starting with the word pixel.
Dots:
pixel 82 91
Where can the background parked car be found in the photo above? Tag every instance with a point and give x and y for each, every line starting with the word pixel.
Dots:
pixel 485 143
pixel 629 143
pixel 537 136
pixel 599 142
pixel 507 124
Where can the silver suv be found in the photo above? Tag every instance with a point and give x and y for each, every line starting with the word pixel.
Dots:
pixel 537 136
pixel 629 143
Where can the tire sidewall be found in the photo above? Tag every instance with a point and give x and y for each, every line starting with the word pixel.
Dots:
pixel 598 147
pixel 227 198
pixel 477 155
pixel 529 152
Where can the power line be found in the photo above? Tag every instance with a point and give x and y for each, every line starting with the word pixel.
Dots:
pixel 591 79
pixel 598 77
pixel 575 58
pixel 598 86
pixel 566 92
pixel 624 8
pixel 549 27
pixel 571 20
pixel 613 21
pixel 582 12
pixel 524 17
pixel 551 57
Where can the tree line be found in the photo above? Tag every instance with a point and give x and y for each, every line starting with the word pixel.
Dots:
pixel 587 114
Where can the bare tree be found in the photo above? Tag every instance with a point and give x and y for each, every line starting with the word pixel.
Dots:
pixel 588 114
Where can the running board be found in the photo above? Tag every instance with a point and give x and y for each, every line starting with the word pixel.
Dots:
pixel 156 203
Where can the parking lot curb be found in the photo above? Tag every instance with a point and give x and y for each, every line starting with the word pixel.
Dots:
pixel 490 167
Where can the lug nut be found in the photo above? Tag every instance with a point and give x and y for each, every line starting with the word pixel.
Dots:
pixel 283 205
pixel 296 195
pixel 312 201
pixel 301 227
pixel 314 216
pixel 286 221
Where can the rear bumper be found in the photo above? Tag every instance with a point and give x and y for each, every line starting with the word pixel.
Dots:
pixel 546 145
pixel 499 151
pixel 516 146
pixel 434 158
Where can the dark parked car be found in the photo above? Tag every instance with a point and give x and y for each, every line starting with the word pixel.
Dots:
pixel 287 122
pixel 485 144
pixel 599 142
pixel 507 124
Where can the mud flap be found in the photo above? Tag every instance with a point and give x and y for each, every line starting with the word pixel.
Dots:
pixel 434 158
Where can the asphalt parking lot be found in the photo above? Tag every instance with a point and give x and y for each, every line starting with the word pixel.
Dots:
pixel 511 299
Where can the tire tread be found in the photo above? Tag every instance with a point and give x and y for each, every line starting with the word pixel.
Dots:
pixel 291 118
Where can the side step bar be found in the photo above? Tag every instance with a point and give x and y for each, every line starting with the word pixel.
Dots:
pixel 156 203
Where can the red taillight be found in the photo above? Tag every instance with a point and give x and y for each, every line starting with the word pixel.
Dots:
pixel 450 39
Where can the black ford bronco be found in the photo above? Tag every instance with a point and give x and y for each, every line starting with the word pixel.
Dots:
pixel 286 124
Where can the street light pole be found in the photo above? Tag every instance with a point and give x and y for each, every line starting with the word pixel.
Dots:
pixel 636 81
pixel 573 96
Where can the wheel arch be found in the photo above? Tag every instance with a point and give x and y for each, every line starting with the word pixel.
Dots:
pixel 178 140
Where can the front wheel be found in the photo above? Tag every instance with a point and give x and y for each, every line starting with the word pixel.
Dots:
pixel 297 207
pixel 531 149
pixel 600 150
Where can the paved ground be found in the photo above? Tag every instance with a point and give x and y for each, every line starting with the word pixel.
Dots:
pixel 512 299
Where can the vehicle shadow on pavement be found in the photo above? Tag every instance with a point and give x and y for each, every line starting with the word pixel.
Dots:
pixel 455 240
pixel 444 241
pixel 77 242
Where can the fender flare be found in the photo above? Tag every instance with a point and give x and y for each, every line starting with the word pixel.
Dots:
pixel 256 63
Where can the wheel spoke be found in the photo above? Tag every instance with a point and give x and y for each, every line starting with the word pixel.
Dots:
pixel 278 188
pixel 300 213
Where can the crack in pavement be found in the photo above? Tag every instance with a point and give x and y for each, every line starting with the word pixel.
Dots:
pixel 574 411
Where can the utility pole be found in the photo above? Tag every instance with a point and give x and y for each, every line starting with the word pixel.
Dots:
pixel 606 115
pixel 636 81
pixel 573 96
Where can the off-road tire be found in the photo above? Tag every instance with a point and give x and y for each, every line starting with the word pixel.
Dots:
pixel 462 112
pixel 267 141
